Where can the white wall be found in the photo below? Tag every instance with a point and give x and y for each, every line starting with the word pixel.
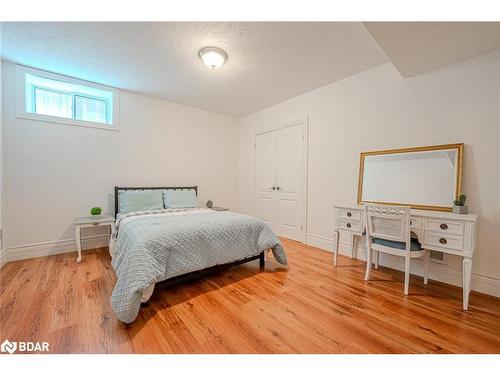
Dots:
pixel 377 109
pixel 2 252
pixel 56 172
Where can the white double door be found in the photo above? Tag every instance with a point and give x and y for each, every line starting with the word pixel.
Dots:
pixel 279 179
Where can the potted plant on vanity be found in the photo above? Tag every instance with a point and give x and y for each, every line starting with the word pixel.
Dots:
pixel 96 212
pixel 459 206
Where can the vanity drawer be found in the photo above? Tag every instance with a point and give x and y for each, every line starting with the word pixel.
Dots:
pixel 350 225
pixel 349 214
pixel 415 222
pixel 448 241
pixel 443 226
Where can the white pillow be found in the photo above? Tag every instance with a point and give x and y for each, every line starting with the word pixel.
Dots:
pixel 180 198
pixel 139 200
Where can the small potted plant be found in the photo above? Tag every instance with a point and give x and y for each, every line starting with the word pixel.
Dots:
pixel 459 206
pixel 95 212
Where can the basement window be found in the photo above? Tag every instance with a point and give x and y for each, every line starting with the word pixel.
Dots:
pixel 52 97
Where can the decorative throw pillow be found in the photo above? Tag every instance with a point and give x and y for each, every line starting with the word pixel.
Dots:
pixel 140 200
pixel 185 198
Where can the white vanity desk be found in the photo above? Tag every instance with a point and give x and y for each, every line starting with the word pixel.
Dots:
pixel 436 230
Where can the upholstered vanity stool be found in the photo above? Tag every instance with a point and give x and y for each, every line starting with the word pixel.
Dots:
pixel 388 232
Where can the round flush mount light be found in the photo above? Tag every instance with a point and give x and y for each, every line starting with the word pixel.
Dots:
pixel 213 57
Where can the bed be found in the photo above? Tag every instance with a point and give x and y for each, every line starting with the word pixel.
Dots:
pixel 153 245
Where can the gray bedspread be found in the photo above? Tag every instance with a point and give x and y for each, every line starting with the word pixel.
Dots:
pixel 156 245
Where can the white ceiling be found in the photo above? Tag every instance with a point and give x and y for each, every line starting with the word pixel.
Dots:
pixel 268 62
pixel 418 47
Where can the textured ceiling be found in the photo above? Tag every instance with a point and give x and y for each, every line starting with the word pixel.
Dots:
pixel 268 62
pixel 418 47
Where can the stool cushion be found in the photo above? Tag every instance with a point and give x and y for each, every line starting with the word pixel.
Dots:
pixel 415 245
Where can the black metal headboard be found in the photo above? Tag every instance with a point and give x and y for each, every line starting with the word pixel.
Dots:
pixel 118 188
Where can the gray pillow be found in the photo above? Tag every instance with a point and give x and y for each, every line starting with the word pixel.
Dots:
pixel 180 198
pixel 140 200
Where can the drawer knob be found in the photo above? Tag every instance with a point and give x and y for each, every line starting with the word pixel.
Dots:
pixel 443 241
pixel 348 225
pixel 443 226
pixel 349 214
pixel 96 223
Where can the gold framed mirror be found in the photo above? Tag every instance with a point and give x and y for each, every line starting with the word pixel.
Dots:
pixel 427 178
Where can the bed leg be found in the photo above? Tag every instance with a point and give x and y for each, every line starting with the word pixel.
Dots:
pixel 262 260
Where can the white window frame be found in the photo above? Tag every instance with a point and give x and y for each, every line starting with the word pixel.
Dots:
pixel 21 99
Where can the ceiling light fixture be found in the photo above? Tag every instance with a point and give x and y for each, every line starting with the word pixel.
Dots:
pixel 213 57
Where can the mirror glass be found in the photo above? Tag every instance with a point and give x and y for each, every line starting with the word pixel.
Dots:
pixel 422 177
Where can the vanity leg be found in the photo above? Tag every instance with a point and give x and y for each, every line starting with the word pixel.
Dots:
pixel 467 273
pixel 78 243
pixel 368 263
pixel 407 274
pixel 335 247
pixel 353 245
pixel 427 259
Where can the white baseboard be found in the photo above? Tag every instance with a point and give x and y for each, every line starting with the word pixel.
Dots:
pixel 326 243
pixel 53 247
pixel 3 257
pixel 439 272
pixel 319 241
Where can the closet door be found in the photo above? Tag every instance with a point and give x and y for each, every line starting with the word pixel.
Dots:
pixel 265 176
pixel 289 193
pixel 279 181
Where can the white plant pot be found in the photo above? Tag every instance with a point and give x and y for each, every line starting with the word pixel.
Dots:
pixel 460 210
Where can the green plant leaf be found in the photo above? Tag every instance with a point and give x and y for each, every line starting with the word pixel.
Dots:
pixel 95 211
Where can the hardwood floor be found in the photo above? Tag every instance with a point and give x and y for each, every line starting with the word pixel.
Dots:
pixel 309 307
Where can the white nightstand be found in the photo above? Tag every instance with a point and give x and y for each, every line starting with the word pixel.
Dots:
pixel 88 222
